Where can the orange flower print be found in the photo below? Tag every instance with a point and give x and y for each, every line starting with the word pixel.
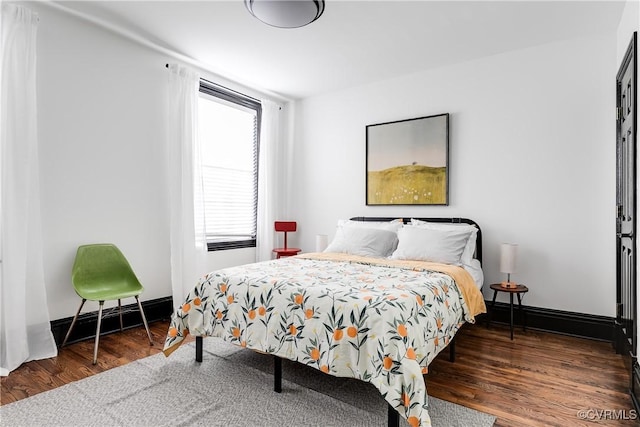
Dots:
pixel 315 354
pixel 402 330
pixel 251 314
pixel 230 299
pixel 223 288
pixel 243 344
pixel 308 313
pixel 235 332
pixel 446 303
pixel 425 370
pixel 197 302
pixel 186 307
pixel 173 332
pixel 262 310
pixel 406 400
pixel 411 353
pixel 413 421
pixel 420 301
pixel 439 323
pixel 352 331
pixel 337 334
pixel 436 341
pixel 387 363
pixel 325 369
pixel 299 299
pixel 218 315
pixel 293 330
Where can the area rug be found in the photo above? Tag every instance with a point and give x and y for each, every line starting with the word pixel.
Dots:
pixel 231 387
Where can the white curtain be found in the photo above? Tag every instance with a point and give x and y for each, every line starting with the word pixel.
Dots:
pixel 186 199
pixel 25 328
pixel 269 167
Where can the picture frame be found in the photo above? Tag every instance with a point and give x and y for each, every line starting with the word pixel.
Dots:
pixel 407 162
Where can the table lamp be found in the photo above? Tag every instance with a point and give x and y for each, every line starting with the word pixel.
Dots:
pixel 508 257
pixel 321 242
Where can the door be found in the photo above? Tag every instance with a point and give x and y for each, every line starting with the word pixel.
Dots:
pixel 626 297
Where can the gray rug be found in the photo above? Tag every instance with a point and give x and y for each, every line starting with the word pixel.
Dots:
pixel 231 387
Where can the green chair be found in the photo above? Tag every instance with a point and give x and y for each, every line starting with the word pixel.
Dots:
pixel 102 273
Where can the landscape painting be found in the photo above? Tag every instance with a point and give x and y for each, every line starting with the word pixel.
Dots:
pixel 407 162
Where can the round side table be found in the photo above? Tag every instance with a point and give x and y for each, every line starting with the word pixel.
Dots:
pixel 518 291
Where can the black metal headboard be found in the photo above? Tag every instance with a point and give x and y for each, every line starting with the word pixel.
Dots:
pixel 478 254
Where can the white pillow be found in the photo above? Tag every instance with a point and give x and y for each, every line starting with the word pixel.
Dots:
pixel 470 248
pixel 427 244
pixel 364 241
pixel 475 270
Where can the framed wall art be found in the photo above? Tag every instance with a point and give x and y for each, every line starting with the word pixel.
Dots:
pixel 408 162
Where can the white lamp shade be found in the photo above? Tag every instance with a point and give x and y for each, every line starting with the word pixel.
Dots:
pixel 321 242
pixel 508 257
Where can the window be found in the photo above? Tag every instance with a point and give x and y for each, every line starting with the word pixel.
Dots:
pixel 229 133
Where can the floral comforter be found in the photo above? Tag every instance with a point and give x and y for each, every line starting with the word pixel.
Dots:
pixel 377 320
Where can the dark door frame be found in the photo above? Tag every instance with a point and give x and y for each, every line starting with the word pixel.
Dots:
pixel 626 323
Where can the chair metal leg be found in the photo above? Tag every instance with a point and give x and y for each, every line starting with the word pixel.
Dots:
pixel 73 322
pixel 144 320
pixel 120 310
pixel 95 347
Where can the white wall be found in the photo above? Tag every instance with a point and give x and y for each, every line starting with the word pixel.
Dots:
pixel 545 113
pixel 100 104
pixel 629 22
pixel 101 127
pixel 532 160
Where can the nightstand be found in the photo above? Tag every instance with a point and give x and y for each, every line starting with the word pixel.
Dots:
pixel 284 252
pixel 518 291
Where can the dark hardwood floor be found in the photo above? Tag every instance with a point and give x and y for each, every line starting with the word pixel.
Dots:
pixel 538 379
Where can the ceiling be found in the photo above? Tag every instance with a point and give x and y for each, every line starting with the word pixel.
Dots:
pixel 353 42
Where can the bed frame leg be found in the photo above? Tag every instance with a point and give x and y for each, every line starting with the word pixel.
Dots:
pixel 277 374
pixel 393 418
pixel 452 351
pixel 198 349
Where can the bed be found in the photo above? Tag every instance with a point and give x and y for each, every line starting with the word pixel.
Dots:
pixel 379 304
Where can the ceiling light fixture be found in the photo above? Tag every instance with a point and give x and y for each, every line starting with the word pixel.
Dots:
pixel 286 13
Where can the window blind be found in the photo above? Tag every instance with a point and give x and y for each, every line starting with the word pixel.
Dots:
pixel 231 185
